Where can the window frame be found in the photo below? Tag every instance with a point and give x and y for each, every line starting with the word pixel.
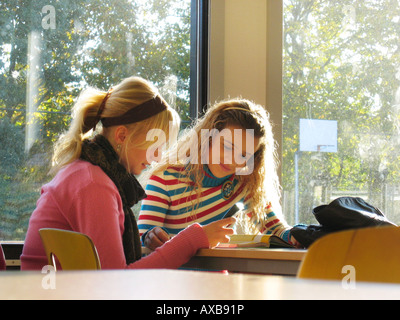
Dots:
pixel 199 48
pixel 199 57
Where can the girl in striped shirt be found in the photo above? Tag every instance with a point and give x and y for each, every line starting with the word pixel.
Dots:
pixel 227 157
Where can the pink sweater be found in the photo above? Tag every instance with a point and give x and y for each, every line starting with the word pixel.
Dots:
pixel 83 198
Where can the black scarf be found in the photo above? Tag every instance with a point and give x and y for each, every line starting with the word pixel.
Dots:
pixel 100 152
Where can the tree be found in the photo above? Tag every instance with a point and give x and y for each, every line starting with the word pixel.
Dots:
pixel 51 50
pixel 341 63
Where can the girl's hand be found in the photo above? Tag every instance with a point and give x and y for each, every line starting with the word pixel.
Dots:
pixel 155 238
pixel 295 243
pixel 218 232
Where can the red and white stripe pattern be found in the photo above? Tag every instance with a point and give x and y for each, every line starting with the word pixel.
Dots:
pixel 170 201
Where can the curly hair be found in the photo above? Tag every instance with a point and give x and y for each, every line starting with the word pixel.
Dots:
pixel 261 186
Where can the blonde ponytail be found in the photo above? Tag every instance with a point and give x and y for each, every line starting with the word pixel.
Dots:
pixel 130 93
pixel 68 147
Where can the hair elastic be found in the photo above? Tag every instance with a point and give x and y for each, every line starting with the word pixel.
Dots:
pixel 101 109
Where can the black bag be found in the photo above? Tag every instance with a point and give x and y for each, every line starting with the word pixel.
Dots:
pixel 341 214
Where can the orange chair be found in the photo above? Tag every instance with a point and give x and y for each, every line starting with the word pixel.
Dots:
pixel 373 254
pixel 73 250
pixel 2 259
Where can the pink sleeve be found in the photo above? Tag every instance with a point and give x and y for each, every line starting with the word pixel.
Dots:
pixel 176 251
pixel 97 211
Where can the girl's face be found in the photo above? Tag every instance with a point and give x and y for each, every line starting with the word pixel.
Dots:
pixel 230 150
pixel 135 160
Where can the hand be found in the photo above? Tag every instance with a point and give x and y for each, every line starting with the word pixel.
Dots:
pixel 295 243
pixel 155 238
pixel 217 232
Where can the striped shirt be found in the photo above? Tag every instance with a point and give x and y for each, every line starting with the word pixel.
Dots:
pixel 169 203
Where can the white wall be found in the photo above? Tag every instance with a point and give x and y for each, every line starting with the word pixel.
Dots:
pixel 246 54
pixel 238 50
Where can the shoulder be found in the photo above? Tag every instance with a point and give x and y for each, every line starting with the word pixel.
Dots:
pixel 85 171
pixel 79 175
pixel 75 188
pixel 170 176
pixel 168 181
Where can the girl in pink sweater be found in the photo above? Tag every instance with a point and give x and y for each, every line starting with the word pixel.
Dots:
pixel 95 185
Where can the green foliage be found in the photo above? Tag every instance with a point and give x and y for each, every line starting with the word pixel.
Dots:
pixel 341 62
pixel 11 148
pixel 43 69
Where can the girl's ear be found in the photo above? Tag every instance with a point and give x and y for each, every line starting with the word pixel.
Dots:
pixel 120 134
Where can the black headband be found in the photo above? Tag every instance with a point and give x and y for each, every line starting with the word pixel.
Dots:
pixel 141 112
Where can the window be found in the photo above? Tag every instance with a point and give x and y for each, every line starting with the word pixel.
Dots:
pixel 341 104
pixel 50 51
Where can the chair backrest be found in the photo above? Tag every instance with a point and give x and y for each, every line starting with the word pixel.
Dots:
pixel 2 259
pixel 73 250
pixel 373 254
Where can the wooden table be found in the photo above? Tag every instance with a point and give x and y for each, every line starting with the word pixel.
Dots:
pixel 249 260
pixel 179 285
